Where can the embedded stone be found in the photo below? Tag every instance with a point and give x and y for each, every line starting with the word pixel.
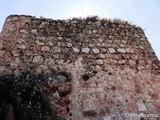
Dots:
pixel 61 78
pixel 34 31
pixel 85 50
pixel 100 40
pixel 37 59
pixel 76 50
pixel 56 95
pixel 111 50
pixel 94 31
pixel 23 47
pixel 103 50
pixel 2 53
pixel 143 39
pixel 15 53
pixel 69 45
pixel 107 118
pixel 140 67
pixel 45 48
pixel 2 68
pixel 50 43
pixel 49 61
pixel 121 50
pixel 122 61
pixel 101 56
pixel 98 68
pixel 28 52
pixel 43 67
pixel 39 43
pixel 99 61
pixel 23 31
pixel 91 45
pixel 124 42
pixel 95 50
pixel 132 63
pixel 56 50
pixel 17 73
pixel 129 50
pixel 141 107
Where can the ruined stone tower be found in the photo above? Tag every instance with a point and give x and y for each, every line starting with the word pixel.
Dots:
pixel 106 69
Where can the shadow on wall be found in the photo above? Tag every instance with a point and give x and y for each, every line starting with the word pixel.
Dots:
pixel 31 98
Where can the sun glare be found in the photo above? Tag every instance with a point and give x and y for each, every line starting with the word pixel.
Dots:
pixel 82 9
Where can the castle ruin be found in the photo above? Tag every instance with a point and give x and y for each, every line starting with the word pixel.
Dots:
pixel 83 69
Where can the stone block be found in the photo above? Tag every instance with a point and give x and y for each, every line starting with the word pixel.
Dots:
pixel 121 50
pixel 85 50
pixel 37 59
pixel 99 62
pixel 111 50
pixel 141 107
pixel 76 50
pixel 95 50
pixel 45 49
pixel 22 46
pixel 107 118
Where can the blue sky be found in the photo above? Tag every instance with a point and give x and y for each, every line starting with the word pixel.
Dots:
pixel 144 13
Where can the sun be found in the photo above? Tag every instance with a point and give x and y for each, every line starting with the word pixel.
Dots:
pixel 82 9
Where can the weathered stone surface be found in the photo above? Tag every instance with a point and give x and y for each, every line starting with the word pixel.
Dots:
pixel 49 43
pixel 56 95
pixel 76 50
pixel 17 73
pixel 69 45
pixel 57 50
pixel 111 50
pixel 45 48
pixel 61 78
pixel 129 50
pixel 34 31
pixel 39 43
pixel 23 47
pixel 95 50
pixel 100 62
pixel 101 56
pixel 2 53
pixel 98 68
pixel 141 107
pixel 15 53
pixel 37 59
pixel 103 50
pixel 85 50
pixel 2 68
pixel 132 63
pixel 23 31
pixel 121 50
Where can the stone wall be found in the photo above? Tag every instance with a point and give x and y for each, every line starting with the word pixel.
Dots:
pixel 113 68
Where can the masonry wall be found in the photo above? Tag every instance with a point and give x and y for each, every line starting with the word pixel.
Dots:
pixel 114 69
